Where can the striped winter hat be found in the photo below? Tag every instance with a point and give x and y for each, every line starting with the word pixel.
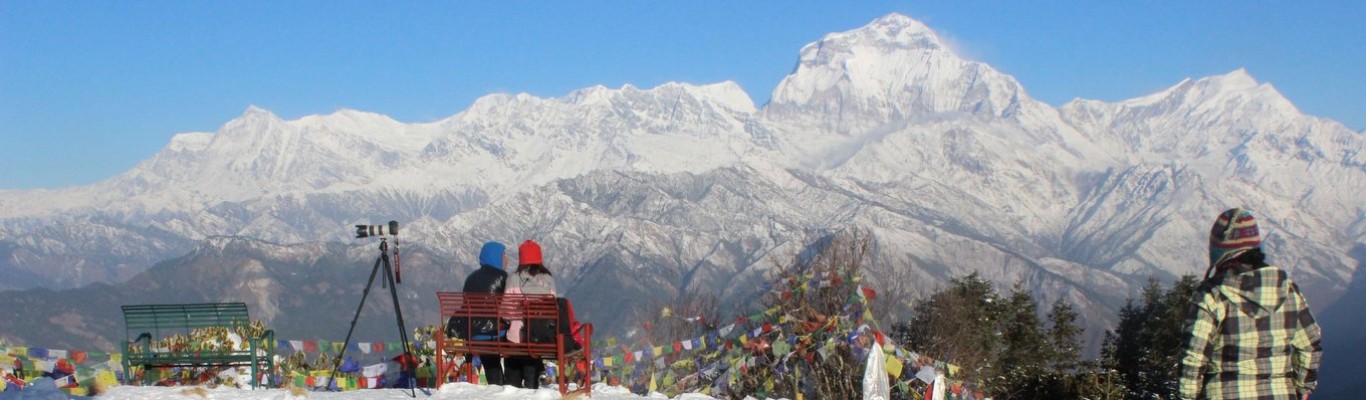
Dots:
pixel 1234 233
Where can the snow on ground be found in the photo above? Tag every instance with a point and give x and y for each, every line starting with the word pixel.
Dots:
pixel 463 391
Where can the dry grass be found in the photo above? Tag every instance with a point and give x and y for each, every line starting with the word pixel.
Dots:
pixel 195 391
pixel 581 394
pixel 296 391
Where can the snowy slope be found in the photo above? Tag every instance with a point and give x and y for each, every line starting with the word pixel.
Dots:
pixel 687 187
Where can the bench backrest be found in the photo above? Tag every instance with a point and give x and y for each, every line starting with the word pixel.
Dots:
pixel 161 320
pixel 498 305
pixel 526 307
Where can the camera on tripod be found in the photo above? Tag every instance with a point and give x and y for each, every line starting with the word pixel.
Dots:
pixel 364 231
pixel 390 278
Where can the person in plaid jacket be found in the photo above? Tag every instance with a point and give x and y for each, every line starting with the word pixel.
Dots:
pixel 1251 335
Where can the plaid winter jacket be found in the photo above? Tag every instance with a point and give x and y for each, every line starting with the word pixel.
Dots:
pixel 1251 337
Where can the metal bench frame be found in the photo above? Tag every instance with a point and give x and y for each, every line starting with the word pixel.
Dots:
pixel 149 323
pixel 507 307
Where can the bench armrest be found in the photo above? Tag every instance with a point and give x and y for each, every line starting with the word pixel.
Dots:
pixel 146 340
pixel 264 342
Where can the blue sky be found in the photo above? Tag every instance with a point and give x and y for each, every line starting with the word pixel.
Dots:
pixel 88 89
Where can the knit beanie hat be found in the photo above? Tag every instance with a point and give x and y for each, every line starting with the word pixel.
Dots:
pixel 529 253
pixel 492 254
pixel 1234 233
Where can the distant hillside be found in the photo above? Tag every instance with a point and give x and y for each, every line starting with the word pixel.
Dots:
pixel 656 193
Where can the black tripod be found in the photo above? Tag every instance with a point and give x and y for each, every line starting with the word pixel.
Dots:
pixel 402 329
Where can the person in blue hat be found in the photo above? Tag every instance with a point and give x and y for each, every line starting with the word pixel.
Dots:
pixel 489 278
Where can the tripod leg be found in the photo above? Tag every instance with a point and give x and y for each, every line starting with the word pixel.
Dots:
pixel 402 328
pixel 337 364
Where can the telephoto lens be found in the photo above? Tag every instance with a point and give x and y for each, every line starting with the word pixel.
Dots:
pixel 363 231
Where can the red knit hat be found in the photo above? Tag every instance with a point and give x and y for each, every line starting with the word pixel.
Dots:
pixel 529 254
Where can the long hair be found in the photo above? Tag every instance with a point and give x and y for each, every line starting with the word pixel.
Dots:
pixel 1253 258
pixel 533 269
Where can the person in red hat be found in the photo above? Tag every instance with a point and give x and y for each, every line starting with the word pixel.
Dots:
pixel 531 277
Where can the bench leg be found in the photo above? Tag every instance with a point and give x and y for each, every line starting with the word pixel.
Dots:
pixel 472 376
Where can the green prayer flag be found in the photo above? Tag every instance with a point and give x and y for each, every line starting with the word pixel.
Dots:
pixel 781 348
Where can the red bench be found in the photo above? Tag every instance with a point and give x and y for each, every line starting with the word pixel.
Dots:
pixel 507 307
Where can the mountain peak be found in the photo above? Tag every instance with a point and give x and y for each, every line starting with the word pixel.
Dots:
pixel 902 31
pixel 1239 80
pixel 254 111
pixel 1237 87
pixel 893 67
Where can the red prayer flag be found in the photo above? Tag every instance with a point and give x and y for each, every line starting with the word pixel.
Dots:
pixel 311 345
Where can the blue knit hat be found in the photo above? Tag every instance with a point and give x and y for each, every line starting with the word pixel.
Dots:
pixel 1234 233
pixel 492 254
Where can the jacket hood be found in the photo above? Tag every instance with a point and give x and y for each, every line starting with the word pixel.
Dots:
pixel 1264 288
pixel 491 255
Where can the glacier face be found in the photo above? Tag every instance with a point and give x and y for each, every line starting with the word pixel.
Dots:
pixel 692 188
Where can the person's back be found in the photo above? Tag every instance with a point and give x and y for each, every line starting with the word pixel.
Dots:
pixel 489 278
pixel 1251 334
pixel 532 277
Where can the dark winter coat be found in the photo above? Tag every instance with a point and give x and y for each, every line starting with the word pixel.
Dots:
pixel 486 279
pixel 489 278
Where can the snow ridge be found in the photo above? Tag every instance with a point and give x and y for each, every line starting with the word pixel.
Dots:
pixel 884 126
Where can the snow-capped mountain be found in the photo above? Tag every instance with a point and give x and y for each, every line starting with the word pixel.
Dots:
pixel 687 188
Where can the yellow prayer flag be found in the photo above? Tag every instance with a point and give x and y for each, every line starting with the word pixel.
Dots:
pixel 953 370
pixel 607 361
pixel 653 386
pixel 115 358
pixel 20 351
pixel 658 351
pixel 744 339
pixel 893 368
pixel 106 378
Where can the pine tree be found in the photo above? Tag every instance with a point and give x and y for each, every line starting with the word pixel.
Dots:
pixel 1063 337
pixel 1024 355
pixel 959 324
pixel 1145 347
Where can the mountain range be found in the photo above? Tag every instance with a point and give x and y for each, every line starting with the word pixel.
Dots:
pixel 644 195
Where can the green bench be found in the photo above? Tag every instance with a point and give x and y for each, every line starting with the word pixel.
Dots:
pixel 149 324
